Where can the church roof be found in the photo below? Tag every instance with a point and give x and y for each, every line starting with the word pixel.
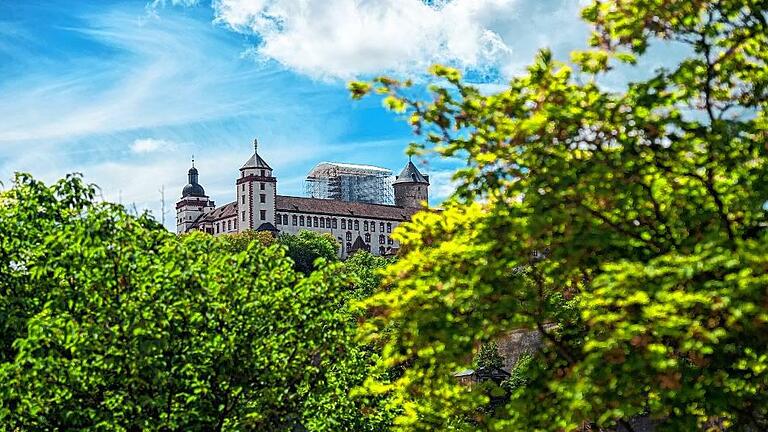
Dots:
pixel 256 162
pixel 343 208
pixel 411 174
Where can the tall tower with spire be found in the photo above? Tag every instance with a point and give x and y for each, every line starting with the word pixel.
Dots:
pixel 411 187
pixel 193 203
pixel 256 194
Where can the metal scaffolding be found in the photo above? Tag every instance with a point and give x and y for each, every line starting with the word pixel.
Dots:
pixel 350 182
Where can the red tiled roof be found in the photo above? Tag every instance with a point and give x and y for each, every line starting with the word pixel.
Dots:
pixel 223 212
pixel 343 208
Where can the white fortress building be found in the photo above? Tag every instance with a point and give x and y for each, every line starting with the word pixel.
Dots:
pixel 349 202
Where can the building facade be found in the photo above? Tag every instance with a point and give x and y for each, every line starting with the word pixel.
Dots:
pixel 257 206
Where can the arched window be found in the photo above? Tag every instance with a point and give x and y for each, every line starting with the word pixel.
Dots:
pixel 327 222
pixel 322 222
pixel 381 250
pixel 315 219
pixel 335 224
pixel 365 225
pixel 389 227
pixel 343 224
pixel 367 237
pixel 301 220
pixel 295 218
pixel 373 226
pixel 381 226
pixel 357 225
pixel 285 219
pixel 349 245
pixel 349 236
pixel 382 239
pixel 278 219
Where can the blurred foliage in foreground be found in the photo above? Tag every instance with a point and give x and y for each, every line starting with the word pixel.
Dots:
pixel 649 205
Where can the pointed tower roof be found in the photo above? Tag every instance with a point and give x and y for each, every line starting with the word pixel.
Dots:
pixel 411 174
pixel 256 161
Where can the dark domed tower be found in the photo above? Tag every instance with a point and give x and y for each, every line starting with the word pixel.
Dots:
pixel 411 187
pixel 193 203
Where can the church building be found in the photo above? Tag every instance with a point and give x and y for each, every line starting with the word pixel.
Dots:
pixel 257 206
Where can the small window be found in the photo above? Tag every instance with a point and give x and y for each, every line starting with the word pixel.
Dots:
pixel 327 222
pixel 322 222
pixel 349 236
pixel 295 218
pixel 243 216
pixel 365 225
pixel 217 228
pixel 261 186
pixel 229 225
pixel 381 250
pixel 389 227
pixel 367 237
pixel 262 198
pixel 349 245
pixel 263 214
pixel 243 199
pixel 316 223
pixel 357 225
pixel 285 219
pixel 389 241
pixel 278 219
pixel 373 226
pixel 263 174
pixel 301 220
pixel 382 239
pixel 243 186
pixel 381 226
pixel 343 224
pixel 335 224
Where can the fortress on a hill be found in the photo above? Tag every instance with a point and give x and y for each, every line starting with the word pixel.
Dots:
pixel 351 202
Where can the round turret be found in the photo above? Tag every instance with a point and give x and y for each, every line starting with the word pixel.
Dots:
pixel 411 187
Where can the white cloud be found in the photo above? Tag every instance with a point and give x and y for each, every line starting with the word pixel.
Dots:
pixel 441 185
pixel 343 39
pixel 150 145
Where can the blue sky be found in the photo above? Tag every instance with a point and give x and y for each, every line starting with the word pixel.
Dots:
pixel 126 91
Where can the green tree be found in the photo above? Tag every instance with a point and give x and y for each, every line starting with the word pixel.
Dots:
pixel 307 246
pixel 649 204
pixel 238 242
pixel 109 322
pixel 366 272
pixel 488 356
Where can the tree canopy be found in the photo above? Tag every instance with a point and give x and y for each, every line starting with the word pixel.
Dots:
pixel 306 247
pixel 628 226
pixel 110 322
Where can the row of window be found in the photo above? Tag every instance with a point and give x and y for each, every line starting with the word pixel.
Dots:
pixel 225 226
pixel 262 198
pixel 332 223
pixel 382 238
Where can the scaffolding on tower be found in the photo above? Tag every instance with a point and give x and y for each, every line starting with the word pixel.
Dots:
pixel 350 182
